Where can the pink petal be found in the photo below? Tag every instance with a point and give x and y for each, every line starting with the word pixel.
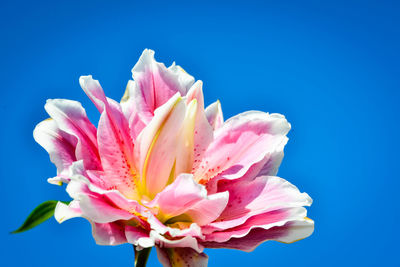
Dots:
pixel 182 257
pixel 139 237
pixel 160 145
pixel 99 209
pixel 193 201
pixel 261 195
pixel 214 115
pixel 168 237
pixel 153 86
pixel 76 167
pixel 115 143
pixel 136 120
pixel 59 144
pixel 203 132
pixel 156 84
pixel 265 220
pixel 184 242
pixel 65 212
pixel 93 90
pixel 109 234
pixel 242 141
pixel 71 118
pixel 268 166
pixel 158 227
pixel 288 233
pixel 98 205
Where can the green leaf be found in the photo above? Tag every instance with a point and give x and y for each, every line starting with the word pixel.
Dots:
pixel 41 213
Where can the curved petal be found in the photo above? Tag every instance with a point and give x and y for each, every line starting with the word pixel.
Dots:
pixel 166 145
pixel 184 242
pixel 158 146
pixel 264 194
pixel 203 132
pixel 265 221
pixel 193 202
pixel 242 141
pixel 128 106
pixel 98 205
pixel 65 212
pixel 76 167
pixel 153 86
pixel 100 210
pixel 214 115
pixel 267 166
pixel 93 90
pixel 115 143
pixel 71 118
pixel 156 84
pixel 190 229
pixel 109 234
pixel 138 237
pixel 59 144
pixel 290 232
pixel 181 257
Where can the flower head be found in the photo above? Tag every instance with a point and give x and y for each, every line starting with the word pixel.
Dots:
pixel 162 170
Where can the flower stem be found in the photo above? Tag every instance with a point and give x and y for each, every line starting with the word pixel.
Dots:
pixel 141 256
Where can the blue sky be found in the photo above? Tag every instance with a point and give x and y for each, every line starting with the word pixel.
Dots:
pixel 331 67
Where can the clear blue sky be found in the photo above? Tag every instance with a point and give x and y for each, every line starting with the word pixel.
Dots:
pixel 331 67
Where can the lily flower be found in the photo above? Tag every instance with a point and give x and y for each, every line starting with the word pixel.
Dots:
pixel 162 170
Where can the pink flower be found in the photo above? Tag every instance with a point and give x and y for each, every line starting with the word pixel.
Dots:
pixel 161 170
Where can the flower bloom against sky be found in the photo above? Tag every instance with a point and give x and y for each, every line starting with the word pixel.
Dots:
pixel 162 170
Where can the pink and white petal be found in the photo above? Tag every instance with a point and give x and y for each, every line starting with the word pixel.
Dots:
pixel 196 92
pixel 89 186
pixel 261 195
pixel 290 232
pixel 116 157
pixel 94 91
pixel 184 149
pixel 65 212
pixel 136 121
pixel 71 118
pixel 209 209
pixel 265 220
pixel 297 230
pixel 268 166
pixel 182 80
pixel 203 132
pixel 94 206
pixel 181 257
pixel 59 144
pixel 109 234
pixel 242 141
pixel 139 237
pixel 184 242
pixel 160 144
pixel 193 201
pixel 76 167
pixel 98 209
pixel 156 83
pixel 149 133
pixel 114 141
pixel 57 180
pixel 127 101
pixel 162 156
pixel 112 108
pixel 214 115
pixel 118 200
pixel 184 190
pixel 157 226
